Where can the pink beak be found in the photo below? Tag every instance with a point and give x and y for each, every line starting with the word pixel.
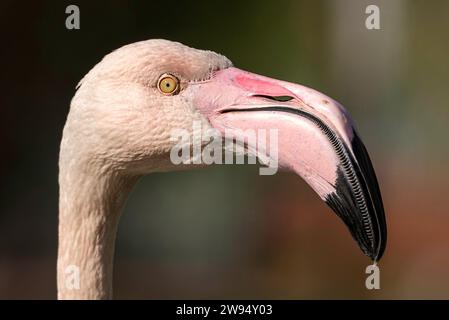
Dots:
pixel 316 139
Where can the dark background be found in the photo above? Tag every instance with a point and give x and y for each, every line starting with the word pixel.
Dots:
pixel 266 236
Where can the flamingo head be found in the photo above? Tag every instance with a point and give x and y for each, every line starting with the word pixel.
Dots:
pixel 126 108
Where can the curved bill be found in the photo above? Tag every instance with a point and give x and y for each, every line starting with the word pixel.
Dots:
pixel 316 139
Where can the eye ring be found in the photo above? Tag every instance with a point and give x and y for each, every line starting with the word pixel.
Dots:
pixel 168 84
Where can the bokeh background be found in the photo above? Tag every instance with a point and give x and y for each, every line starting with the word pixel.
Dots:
pixel 225 231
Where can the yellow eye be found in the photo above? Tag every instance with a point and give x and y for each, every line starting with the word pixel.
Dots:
pixel 168 84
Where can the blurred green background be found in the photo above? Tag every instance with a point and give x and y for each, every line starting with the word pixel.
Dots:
pixel 225 231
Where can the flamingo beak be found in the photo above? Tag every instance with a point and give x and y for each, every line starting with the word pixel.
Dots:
pixel 316 140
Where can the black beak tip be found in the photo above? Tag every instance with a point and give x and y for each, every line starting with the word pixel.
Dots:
pixel 373 197
pixel 367 235
pixel 358 202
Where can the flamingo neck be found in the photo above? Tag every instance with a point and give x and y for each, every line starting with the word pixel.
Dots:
pixel 90 204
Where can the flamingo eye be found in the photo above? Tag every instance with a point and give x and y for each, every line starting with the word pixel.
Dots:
pixel 168 84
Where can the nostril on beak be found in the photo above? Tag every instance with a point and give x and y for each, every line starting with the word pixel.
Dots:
pixel 274 98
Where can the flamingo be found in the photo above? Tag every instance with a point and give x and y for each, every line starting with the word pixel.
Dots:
pixel 118 129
